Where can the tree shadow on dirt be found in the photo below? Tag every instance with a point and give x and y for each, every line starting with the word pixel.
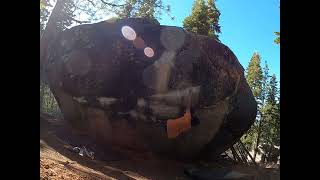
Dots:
pixel 114 164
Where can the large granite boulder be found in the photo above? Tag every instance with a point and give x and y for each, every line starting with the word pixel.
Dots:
pixel 122 81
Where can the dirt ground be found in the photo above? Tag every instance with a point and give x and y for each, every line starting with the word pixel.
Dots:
pixel 58 161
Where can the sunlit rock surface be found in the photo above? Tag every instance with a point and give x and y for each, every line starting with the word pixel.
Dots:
pixel 120 81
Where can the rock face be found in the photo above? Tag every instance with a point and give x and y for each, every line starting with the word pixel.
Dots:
pixel 121 81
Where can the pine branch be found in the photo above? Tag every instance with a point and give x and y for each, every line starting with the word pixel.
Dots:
pixel 90 1
pixel 111 4
pixel 78 21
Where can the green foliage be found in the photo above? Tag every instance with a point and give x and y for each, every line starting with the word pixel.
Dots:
pixel 95 10
pixel 197 22
pixel 250 137
pixel 265 89
pixel 272 90
pixel 254 76
pixel 265 80
pixel 257 79
pixel 128 10
pixel 271 114
pixel 65 18
pixel 48 103
pixel 204 19
pixel 43 4
pixel 44 14
pixel 151 9
pixel 147 9
pixel 213 15
pixel 67 15
pixel 277 40
pixel 270 133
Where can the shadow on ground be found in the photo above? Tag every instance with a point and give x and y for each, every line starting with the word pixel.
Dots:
pixel 110 163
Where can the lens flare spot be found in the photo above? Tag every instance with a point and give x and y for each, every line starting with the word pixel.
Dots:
pixel 128 33
pixel 148 52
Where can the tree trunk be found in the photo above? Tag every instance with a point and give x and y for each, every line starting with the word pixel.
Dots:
pixel 235 155
pixel 48 35
pixel 248 153
pixel 41 96
pixel 242 153
pixel 50 31
pixel 258 138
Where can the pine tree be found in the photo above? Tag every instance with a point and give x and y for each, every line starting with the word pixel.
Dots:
pixel 264 91
pixel 270 135
pixel 256 80
pixel 272 114
pixel 204 19
pixel 213 15
pixel 197 22
pixel 127 10
pixel 264 85
pixel 266 129
pixel 142 8
pixel 272 90
pixel 277 40
pixel 147 9
pixel 254 76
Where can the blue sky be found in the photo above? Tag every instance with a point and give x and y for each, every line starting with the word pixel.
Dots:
pixel 247 26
